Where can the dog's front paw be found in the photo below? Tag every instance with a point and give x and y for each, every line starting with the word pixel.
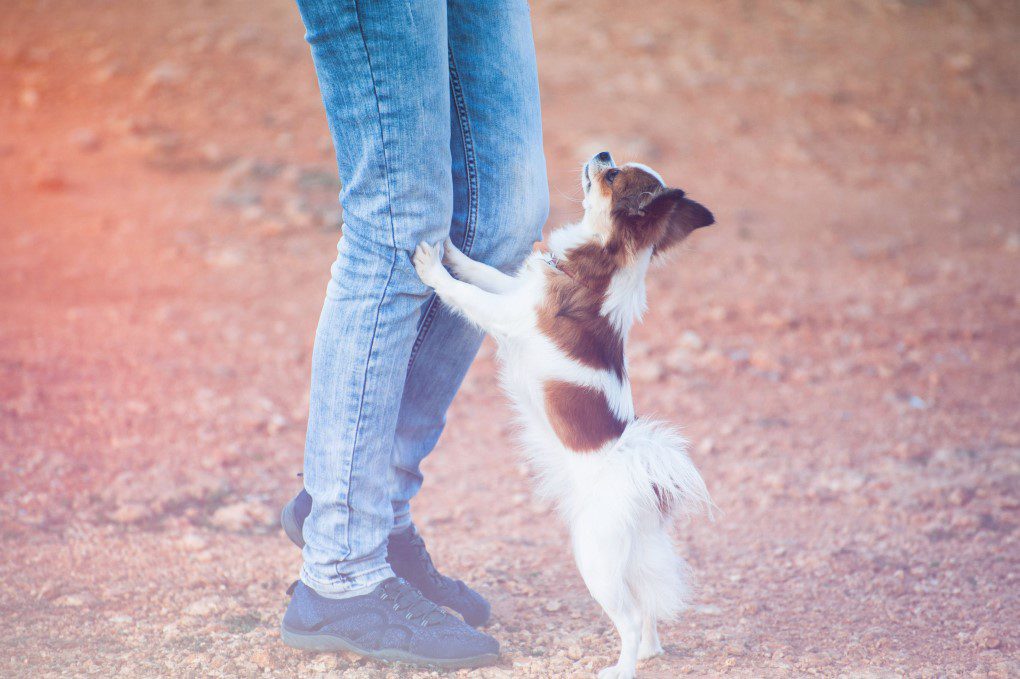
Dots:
pixel 428 262
pixel 451 253
pixel 617 672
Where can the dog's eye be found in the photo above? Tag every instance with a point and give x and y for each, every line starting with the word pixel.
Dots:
pixel 611 175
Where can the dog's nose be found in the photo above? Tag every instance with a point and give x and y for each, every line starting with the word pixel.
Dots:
pixel 603 157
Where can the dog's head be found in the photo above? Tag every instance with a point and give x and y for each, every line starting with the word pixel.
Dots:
pixel 632 209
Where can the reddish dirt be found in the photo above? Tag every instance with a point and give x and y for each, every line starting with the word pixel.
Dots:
pixel 841 348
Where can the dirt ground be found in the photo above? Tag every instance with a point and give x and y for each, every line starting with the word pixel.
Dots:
pixel 842 348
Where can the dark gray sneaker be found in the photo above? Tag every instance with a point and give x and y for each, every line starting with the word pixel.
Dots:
pixel 393 623
pixel 409 559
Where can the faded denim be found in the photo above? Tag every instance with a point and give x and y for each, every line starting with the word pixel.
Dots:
pixel 435 117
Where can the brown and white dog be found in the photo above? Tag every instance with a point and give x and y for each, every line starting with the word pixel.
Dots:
pixel 561 324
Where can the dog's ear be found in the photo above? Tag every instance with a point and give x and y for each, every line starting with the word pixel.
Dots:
pixel 678 215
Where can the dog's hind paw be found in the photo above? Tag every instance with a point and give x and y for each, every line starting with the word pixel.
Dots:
pixel 617 672
pixel 649 651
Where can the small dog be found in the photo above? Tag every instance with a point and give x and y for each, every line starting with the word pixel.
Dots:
pixel 561 324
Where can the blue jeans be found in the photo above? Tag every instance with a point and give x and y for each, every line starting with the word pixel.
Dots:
pixel 434 111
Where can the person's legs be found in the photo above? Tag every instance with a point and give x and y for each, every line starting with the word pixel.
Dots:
pixel 384 76
pixel 500 202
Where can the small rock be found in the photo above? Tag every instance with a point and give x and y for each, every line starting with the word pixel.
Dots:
pixel 575 653
pixel 763 361
pixel 203 607
pixel 262 658
pixel 553 606
pixel 85 139
pixel 1012 243
pixel 106 72
pixel 49 179
pixel 960 496
pixel 75 600
pixel 740 356
pixel 691 340
pixel 212 153
pixel 29 98
pixel 326 663
pixel 648 371
pixel 350 657
pixel 986 638
pixel 241 515
pixel 917 403
pixel 296 212
pixel 225 259
pixel 130 513
pixel 192 542
pixel 961 62
pixel 164 74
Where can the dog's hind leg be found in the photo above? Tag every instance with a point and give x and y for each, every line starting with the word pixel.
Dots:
pixel 602 553
pixel 650 646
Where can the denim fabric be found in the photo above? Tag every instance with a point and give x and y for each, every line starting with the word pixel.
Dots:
pixel 434 112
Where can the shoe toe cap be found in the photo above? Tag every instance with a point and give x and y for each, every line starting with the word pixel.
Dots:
pixel 472 606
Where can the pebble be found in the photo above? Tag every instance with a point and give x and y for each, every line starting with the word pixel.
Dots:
pixel 707 446
pixel 241 515
pixel 648 371
pixel 49 179
pixel 986 638
pixel 917 403
pixel 961 62
pixel 691 340
pixel 164 74
pixel 130 513
pixel 1012 243
pixel 85 139
pixel 29 98
pixel 192 542
pixel 75 600
pixel 553 606
pixel 203 607
pixel 262 658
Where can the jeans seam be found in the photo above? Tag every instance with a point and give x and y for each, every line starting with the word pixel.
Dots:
pixel 469 154
pixel 385 290
pixel 471 219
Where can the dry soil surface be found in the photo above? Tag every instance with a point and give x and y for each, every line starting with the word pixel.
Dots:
pixel 841 348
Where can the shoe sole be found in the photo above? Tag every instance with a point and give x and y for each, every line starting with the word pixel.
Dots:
pixel 326 643
pixel 290 525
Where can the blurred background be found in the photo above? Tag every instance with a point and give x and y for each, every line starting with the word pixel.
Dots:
pixel 841 347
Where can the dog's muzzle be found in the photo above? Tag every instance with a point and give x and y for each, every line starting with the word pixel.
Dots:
pixel 598 163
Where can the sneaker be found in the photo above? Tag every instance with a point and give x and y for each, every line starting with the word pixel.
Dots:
pixel 393 623
pixel 409 559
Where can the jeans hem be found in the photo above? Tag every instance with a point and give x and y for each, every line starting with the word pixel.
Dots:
pixel 401 524
pixel 348 582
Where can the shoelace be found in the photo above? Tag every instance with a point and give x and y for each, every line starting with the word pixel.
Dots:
pixel 410 599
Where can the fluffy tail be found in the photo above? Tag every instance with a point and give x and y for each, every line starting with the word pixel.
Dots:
pixel 619 508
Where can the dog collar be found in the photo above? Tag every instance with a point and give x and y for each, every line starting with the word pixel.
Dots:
pixel 551 259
